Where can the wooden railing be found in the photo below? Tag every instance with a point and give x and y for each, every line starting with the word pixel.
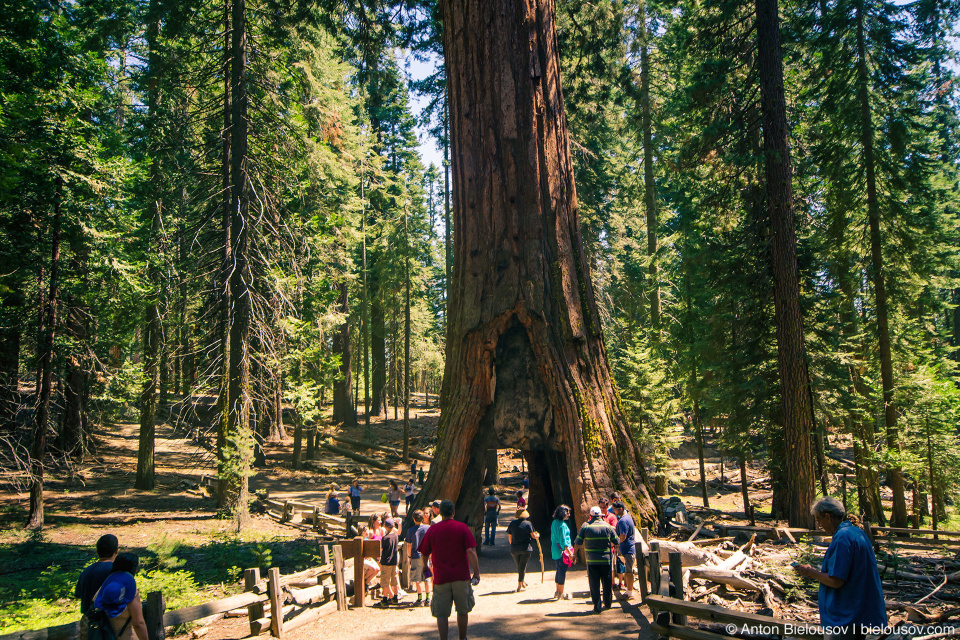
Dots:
pixel 274 603
pixel 670 611
pixel 915 539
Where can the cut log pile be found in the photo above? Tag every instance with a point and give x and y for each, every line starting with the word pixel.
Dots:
pixel 756 577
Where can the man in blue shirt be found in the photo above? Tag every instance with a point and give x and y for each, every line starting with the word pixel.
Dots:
pixel 851 597
pixel 627 532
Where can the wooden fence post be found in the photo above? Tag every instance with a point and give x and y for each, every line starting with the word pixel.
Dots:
pixel 359 585
pixel 276 602
pixel 350 531
pixel 325 554
pixel 676 578
pixel 285 516
pixel 339 583
pixel 645 534
pixel 655 567
pixel 404 566
pixel 254 611
pixel 316 520
pixel 153 610
pixel 642 560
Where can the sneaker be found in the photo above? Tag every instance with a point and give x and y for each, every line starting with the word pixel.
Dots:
pixel 426 602
pixel 395 600
pixel 383 602
pixel 566 596
pixel 597 609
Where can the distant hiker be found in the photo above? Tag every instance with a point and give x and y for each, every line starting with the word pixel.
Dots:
pixel 374 527
pixel 561 549
pixel 333 502
pixel 850 590
pixel 450 550
pixel 413 467
pixel 93 576
pixel 526 482
pixel 389 559
pixel 521 501
pixel 393 497
pixel 491 511
pixel 355 490
pixel 520 533
pixel 420 476
pixel 598 539
pixel 627 532
pixel 414 538
pixel 408 494
pixel 119 599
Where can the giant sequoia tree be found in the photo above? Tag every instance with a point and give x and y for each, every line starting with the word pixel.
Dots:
pixel 526 365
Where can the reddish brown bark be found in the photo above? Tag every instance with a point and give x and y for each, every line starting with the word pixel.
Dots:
pixel 791 352
pixel 526 364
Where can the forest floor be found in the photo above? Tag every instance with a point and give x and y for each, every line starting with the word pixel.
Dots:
pixel 176 528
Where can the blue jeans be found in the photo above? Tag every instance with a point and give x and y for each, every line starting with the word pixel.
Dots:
pixel 489 526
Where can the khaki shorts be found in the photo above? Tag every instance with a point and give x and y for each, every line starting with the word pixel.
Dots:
pixel 449 593
pixel 628 562
pixel 416 570
pixel 388 575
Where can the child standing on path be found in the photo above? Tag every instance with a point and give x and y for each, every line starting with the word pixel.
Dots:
pixel 389 558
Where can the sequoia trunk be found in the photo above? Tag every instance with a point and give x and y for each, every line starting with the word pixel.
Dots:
pixel 526 365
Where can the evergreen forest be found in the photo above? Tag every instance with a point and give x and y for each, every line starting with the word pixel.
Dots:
pixel 226 202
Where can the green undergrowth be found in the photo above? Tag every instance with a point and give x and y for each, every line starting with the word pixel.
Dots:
pixel 37 590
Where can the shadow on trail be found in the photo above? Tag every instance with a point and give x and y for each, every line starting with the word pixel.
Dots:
pixel 572 625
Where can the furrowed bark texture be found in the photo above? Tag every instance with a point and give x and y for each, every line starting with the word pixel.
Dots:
pixel 344 411
pixel 526 365
pixel 791 352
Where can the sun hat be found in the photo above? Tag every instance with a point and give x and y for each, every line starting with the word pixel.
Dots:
pixel 118 590
pixel 523 513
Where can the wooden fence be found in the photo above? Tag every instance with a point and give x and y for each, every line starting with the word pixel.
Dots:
pixel 671 611
pixel 275 604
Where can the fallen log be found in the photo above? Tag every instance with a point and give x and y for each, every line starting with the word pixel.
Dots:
pixel 724 576
pixel 373 462
pixel 377 447
pixel 691 555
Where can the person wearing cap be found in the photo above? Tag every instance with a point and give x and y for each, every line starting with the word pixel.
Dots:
pixel 332 507
pixel 435 511
pixel 598 539
pixel 118 597
pixel 491 512
pixel 627 532
pixel 560 541
pixel 451 552
pixel 519 533
pixel 389 558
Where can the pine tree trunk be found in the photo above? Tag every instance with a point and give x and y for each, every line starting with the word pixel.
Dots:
pixel 41 414
pixel 378 349
pixel 344 411
pixel 153 326
pixel 898 517
pixel 791 352
pixel 491 473
pixel 649 193
pixel 238 404
pixel 365 311
pixel 12 302
pixel 406 339
pixel 226 226
pixel 526 365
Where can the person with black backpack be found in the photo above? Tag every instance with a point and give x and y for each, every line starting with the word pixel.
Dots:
pixel 520 533
pixel 116 612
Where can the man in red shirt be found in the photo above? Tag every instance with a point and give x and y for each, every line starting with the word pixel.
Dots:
pixel 451 551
